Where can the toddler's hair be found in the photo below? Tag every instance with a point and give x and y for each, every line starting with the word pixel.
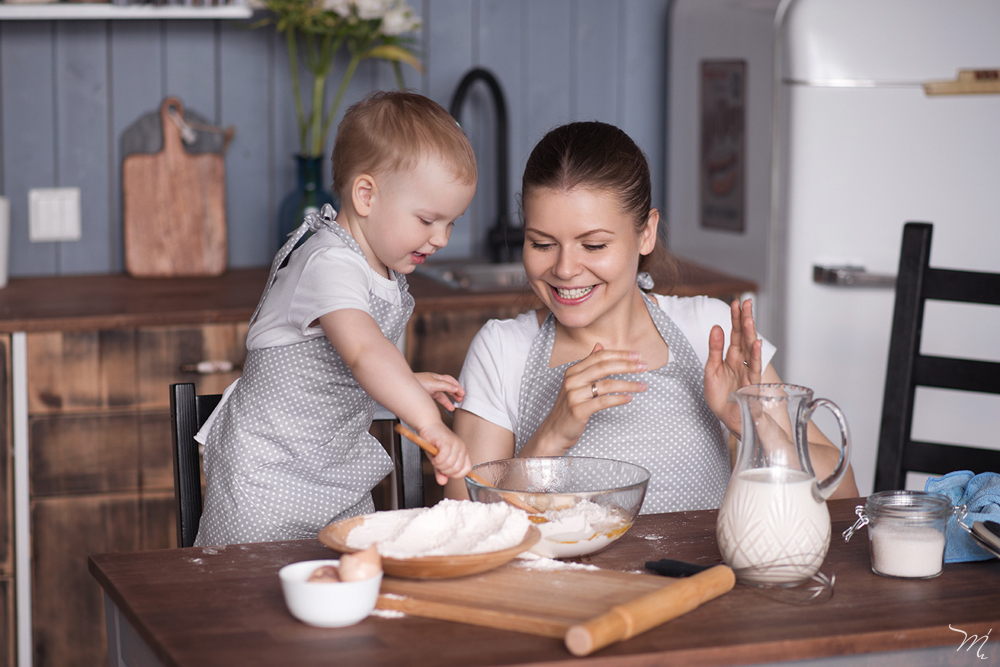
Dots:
pixel 598 156
pixel 392 131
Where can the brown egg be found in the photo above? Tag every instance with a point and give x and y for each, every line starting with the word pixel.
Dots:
pixel 325 573
pixel 361 565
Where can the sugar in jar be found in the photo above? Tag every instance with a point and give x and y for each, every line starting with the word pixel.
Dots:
pixel 906 532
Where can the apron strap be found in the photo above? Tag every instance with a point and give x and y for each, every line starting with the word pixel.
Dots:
pixel 314 221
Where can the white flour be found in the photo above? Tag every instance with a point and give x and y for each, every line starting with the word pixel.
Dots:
pixel 584 528
pixel 450 528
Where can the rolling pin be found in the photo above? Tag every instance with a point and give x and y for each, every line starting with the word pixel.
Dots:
pixel 627 620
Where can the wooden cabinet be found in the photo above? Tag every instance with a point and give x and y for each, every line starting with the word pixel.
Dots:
pixel 101 468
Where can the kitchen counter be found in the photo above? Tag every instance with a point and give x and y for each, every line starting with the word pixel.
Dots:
pixel 224 605
pixel 75 303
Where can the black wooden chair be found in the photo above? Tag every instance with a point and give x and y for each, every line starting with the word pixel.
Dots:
pixel 188 412
pixel 908 368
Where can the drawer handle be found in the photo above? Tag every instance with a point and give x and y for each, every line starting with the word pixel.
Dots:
pixel 210 367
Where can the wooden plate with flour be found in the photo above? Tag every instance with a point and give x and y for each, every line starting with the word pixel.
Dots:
pixel 334 536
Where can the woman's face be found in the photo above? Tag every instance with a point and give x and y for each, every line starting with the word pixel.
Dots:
pixel 581 252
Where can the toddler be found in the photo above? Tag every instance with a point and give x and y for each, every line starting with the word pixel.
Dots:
pixel 288 449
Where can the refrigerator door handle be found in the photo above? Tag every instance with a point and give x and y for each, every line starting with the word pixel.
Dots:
pixel 851 276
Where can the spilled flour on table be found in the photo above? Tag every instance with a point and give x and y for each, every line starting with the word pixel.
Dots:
pixel 530 561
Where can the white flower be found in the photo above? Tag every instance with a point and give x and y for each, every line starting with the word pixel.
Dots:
pixel 373 9
pixel 338 7
pixel 398 20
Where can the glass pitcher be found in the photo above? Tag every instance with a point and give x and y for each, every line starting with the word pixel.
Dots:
pixel 774 527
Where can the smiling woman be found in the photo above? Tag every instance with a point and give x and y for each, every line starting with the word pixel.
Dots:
pixel 606 370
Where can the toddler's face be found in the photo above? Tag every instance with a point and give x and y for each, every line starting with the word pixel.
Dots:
pixel 413 211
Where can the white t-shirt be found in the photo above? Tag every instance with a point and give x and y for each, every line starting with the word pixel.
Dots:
pixel 494 365
pixel 322 275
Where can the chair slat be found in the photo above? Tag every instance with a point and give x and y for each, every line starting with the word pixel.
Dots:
pixel 964 374
pixel 962 286
pixel 938 459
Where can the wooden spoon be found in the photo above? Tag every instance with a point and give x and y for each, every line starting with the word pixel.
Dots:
pixel 432 450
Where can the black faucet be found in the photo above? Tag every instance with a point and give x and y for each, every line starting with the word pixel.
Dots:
pixel 504 240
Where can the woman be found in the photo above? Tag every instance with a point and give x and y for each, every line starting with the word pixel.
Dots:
pixel 606 370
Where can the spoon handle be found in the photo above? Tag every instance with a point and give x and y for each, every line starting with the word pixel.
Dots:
pixel 432 450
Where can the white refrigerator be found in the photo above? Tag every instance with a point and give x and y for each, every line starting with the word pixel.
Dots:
pixel 805 133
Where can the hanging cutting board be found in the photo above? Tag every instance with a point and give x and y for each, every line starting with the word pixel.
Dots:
pixel 174 208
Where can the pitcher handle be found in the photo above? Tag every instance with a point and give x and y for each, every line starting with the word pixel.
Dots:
pixel 826 487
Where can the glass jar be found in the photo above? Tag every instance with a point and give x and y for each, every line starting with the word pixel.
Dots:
pixel 906 532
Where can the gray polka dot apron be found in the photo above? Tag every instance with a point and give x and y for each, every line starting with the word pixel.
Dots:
pixel 667 429
pixel 290 450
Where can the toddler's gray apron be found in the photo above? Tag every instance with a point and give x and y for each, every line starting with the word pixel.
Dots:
pixel 290 451
pixel 667 429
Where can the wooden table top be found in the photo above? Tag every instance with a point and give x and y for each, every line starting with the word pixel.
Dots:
pixel 196 607
pixel 83 303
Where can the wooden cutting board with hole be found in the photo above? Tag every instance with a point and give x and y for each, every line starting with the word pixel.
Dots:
pixel 515 597
pixel 174 208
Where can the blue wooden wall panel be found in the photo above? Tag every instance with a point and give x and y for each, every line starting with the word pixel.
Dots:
pixel 557 60
pixel 499 37
pixel 82 145
pixel 136 88
pixel 26 52
pixel 546 79
pixel 596 56
pixel 190 69
pixel 645 91
pixel 246 102
pixel 447 56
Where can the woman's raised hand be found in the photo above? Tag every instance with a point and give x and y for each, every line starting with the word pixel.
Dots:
pixel 740 367
pixel 586 389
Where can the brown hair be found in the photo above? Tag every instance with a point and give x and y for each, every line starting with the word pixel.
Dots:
pixel 598 156
pixel 391 131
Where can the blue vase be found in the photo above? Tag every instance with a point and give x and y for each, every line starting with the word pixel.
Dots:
pixel 308 195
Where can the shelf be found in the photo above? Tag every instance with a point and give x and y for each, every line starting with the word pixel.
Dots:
pixel 63 11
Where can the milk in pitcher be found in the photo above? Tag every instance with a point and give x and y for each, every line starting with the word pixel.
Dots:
pixel 772 529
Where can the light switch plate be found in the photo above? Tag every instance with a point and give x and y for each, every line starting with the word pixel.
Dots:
pixel 53 214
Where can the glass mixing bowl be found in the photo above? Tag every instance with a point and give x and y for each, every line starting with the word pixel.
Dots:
pixel 584 504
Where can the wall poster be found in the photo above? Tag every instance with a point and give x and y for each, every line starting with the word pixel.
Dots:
pixel 722 164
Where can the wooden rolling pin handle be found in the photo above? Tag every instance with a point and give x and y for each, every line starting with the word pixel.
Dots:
pixel 627 620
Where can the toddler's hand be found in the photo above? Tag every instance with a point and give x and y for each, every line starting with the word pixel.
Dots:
pixel 452 459
pixel 441 387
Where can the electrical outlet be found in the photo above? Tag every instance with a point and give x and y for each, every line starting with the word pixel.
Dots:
pixel 53 214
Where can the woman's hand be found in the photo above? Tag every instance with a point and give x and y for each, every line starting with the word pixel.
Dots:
pixel 443 388
pixel 740 368
pixel 452 459
pixel 586 389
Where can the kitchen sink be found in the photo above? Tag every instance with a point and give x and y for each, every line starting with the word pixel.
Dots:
pixel 477 275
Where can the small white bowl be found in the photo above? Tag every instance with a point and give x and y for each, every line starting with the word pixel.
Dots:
pixel 327 604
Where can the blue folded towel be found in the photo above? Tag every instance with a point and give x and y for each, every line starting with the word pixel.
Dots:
pixel 981 496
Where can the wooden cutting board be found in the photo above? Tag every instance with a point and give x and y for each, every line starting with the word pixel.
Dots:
pixel 514 597
pixel 174 208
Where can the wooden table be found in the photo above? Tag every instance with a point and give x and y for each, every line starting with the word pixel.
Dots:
pixel 195 607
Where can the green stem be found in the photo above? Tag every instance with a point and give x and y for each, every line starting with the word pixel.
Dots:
pixel 398 71
pixel 348 75
pixel 293 63
pixel 316 119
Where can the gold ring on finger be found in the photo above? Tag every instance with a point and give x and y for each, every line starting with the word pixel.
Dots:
pixel 593 389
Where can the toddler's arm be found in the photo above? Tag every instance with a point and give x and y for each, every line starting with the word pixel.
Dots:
pixel 382 371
